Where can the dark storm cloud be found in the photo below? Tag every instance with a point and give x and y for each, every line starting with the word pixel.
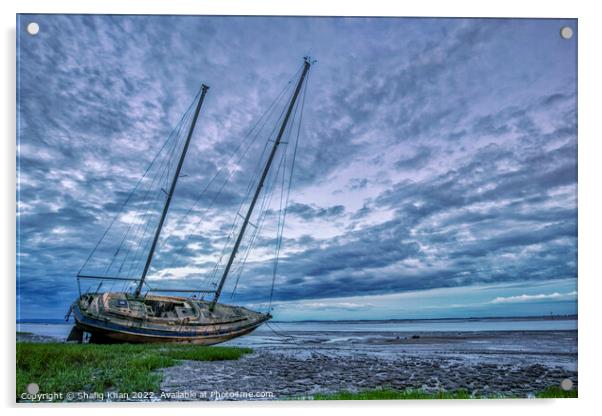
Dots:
pixel 308 212
pixel 455 131
pixel 417 161
pixel 484 179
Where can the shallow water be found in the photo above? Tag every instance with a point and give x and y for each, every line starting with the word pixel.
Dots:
pixel 549 342
pixel 344 331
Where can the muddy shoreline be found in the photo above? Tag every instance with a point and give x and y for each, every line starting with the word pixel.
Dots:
pixel 497 364
pixel 285 377
pixel 299 364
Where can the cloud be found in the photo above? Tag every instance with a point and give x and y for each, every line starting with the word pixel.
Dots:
pixel 434 153
pixel 307 212
pixel 535 298
pixel 336 305
pixel 417 161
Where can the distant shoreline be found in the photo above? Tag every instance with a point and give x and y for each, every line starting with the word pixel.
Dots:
pixel 406 320
pixel 394 320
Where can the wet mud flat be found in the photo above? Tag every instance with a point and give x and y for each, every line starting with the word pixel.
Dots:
pixel 494 363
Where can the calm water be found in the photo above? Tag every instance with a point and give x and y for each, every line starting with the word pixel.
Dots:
pixel 456 325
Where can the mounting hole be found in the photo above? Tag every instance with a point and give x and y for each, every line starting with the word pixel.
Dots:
pixel 566 32
pixel 33 28
pixel 566 384
pixel 33 388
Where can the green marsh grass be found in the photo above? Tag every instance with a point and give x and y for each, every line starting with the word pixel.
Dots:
pixel 410 394
pixel 557 393
pixel 125 368
pixel 414 394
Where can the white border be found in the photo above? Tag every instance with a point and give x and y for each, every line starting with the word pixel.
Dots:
pixel 590 209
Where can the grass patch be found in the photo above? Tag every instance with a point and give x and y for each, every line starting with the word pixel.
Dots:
pixel 556 393
pixel 410 394
pixel 413 394
pixel 59 367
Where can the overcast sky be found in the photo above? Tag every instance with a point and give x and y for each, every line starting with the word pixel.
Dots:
pixel 436 173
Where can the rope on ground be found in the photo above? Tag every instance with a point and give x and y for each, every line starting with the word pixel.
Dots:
pixel 288 338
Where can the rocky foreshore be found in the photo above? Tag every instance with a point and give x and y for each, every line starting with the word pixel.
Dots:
pixel 282 376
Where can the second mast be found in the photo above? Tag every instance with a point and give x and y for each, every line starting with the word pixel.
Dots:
pixel 307 64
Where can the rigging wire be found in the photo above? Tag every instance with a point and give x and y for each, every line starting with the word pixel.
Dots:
pixel 263 120
pixel 254 179
pixel 137 229
pixel 285 337
pixel 279 243
pixel 283 205
pixel 261 123
pixel 131 194
pixel 177 130
pixel 238 215
pixel 152 208
pixel 212 278
pixel 263 211
pixel 176 133
pixel 154 205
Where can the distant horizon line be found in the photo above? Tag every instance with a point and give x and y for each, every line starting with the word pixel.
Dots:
pixel 538 317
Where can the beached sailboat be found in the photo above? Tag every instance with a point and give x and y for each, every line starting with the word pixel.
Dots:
pixel 139 317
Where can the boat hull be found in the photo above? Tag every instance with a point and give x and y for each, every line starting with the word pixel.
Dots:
pixel 100 334
pixel 105 329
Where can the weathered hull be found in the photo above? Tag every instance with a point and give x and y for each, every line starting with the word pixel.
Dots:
pixel 101 334
pixel 114 329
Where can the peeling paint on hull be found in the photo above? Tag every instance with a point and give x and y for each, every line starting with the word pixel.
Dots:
pixel 107 327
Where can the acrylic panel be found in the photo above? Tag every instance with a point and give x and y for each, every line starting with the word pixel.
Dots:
pixel 270 208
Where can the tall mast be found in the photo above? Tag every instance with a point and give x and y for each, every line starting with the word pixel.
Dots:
pixel 266 169
pixel 172 188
